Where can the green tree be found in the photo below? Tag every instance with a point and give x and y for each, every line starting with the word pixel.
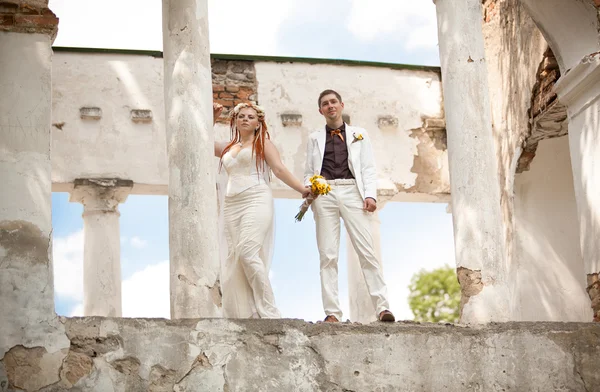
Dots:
pixel 435 295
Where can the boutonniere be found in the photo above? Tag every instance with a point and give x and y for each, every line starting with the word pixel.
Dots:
pixel 357 138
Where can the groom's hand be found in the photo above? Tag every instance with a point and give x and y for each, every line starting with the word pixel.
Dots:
pixel 370 204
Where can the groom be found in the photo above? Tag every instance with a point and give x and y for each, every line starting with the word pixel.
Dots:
pixel 343 155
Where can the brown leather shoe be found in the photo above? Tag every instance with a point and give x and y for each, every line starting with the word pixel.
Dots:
pixel 331 319
pixel 386 315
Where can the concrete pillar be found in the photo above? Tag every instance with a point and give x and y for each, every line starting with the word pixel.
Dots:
pixel 475 188
pixel 33 343
pixel 193 239
pixel 579 90
pixel 361 306
pixel 101 243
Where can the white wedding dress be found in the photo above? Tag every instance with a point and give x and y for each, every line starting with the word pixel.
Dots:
pixel 246 222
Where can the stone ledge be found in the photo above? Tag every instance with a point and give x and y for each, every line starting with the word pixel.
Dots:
pixel 274 355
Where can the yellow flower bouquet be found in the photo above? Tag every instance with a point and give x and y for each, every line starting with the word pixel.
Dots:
pixel 318 187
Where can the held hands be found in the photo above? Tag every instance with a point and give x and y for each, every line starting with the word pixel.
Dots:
pixel 306 192
pixel 370 204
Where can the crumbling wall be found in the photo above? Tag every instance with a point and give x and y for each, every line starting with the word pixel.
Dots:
pixel 120 130
pixel 128 355
pixel 514 48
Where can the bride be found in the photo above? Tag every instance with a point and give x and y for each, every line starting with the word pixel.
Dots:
pixel 247 212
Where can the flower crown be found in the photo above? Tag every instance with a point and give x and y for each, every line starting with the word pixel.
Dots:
pixel 259 110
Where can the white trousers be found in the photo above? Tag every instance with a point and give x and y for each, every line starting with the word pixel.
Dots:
pixel 344 201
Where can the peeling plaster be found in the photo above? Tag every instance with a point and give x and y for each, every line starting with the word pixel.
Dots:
pixel 593 290
pixel 24 241
pixel 32 368
pixel 470 284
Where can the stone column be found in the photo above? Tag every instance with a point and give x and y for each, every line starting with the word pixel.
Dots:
pixel 33 343
pixel 101 243
pixel 475 188
pixel 360 304
pixel 193 239
pixel 579 90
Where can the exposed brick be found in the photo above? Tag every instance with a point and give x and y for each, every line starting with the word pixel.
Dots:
pixel 7 20
pixel 225 95
pixel 224 102
pixel 489 10
pixel 29 10
pixel 244 92
pixel 593 290
pixel 233 82
pixel 36 20
pixel 8 7
pixel 28 19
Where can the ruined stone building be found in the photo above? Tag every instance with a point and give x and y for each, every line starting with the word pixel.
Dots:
pixel 505 131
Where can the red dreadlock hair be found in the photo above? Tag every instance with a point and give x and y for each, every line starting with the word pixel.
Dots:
pixel 260 135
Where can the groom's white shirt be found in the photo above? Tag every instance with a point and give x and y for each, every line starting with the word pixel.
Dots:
pixel 360 159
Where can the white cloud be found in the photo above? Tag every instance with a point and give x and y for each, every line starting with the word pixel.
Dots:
pixel 67 255
pixel 136 25
pixel 413 21
pixel 146 292
pixel 235 26
pixel 246 27
pixel 138 243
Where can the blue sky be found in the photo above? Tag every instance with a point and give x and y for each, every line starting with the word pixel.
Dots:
pixel 414 235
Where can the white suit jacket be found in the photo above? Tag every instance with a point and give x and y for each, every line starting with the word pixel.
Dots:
pixel 360 159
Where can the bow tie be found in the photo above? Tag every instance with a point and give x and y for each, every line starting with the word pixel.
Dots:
pixel 336 132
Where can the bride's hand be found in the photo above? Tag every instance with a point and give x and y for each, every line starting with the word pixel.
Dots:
pixel 217 110
pixel 306 192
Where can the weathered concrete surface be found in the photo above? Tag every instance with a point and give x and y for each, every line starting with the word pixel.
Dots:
pixel 579 90
pixel 514 48
pixel 27 317
pixel 549 275
pixel 193 241
pixel 479 236
pixel 291 355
